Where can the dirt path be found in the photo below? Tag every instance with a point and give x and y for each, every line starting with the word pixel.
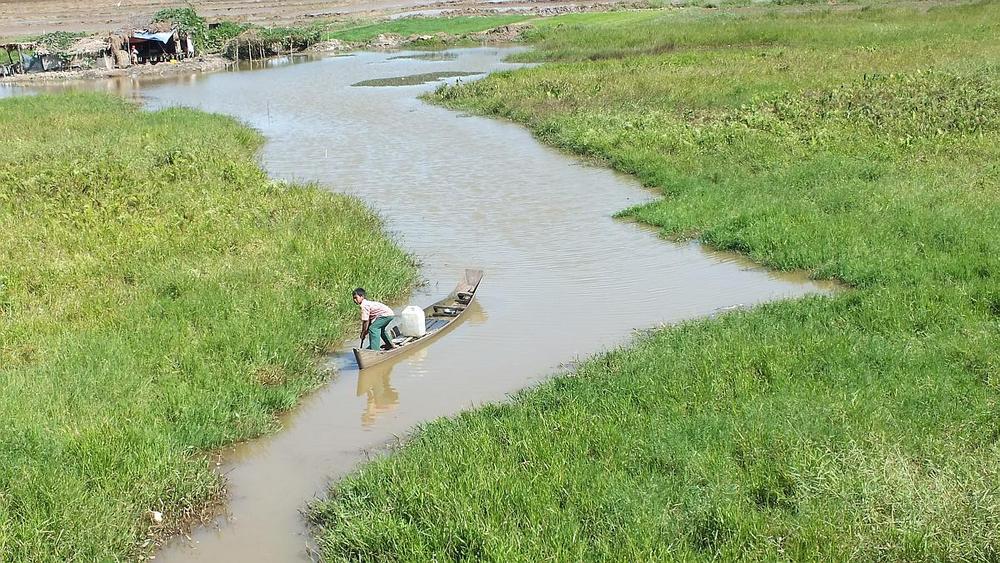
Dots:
pixel 20 18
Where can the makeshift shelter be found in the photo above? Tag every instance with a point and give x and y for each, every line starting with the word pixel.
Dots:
pixel 156 42
pixel 160 42
pixel 41 60
pixel 12 57
pixel 119 50
pixel 23 58
pixel 90 52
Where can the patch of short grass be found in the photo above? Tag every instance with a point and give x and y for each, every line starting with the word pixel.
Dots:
pixel 159 297
pixel 856 144
pixel 413 79
pixel 458 25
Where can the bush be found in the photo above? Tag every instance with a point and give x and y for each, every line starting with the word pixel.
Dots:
pixel 187 21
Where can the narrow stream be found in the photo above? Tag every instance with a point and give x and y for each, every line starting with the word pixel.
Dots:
pixel 563 279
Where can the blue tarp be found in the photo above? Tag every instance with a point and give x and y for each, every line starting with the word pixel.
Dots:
pixel 164 37
pixel 32 64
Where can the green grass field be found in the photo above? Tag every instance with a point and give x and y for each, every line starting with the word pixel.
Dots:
pixel 857 144
pixel 159 297
pixel 459 25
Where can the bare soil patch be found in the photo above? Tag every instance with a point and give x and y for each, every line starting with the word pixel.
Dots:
pixel 20 18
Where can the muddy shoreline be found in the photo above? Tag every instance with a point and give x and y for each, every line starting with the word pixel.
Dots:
pixel 199 65
pixel 500 36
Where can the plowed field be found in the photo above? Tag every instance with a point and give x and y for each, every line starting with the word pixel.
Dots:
pixel 30 17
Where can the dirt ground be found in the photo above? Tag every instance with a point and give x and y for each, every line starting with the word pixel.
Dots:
pixel 210 63
pixel 19 18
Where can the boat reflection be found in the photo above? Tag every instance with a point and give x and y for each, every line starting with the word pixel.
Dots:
pixel 375 383
pixel 382 396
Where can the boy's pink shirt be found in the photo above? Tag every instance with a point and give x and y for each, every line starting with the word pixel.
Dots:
pixel 371 310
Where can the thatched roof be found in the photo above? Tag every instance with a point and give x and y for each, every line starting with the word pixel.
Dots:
pixel 160 27
pixel 93 45
pixel 16 46
pixel 145 26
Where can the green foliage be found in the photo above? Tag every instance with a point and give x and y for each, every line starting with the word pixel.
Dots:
pixel 828 39
pixel 423 26
pixel 58 41
pixel 253 42
pixel 187 22
pixel 221 34
pixel 903 108
pixel 297 37
pixel 220 38
pixel 856 144
pixel 159 297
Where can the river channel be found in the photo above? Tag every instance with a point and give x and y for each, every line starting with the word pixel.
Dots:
pixel 564 279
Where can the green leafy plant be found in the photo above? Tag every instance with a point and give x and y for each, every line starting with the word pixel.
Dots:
pixel 187 22
pixel 58 41
pixel 222 33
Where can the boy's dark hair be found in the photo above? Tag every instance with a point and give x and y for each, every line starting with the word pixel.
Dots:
pixel 360 291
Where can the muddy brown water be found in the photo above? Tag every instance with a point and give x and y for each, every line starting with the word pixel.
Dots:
pixel 564 280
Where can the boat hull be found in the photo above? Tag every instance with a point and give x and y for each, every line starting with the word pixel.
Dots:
pixel 439 317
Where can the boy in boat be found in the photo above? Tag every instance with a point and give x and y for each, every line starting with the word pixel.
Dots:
pixel 375 317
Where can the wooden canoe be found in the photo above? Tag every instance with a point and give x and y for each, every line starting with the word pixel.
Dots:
pixel 438 317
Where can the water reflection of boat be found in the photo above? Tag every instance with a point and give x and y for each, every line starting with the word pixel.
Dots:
pixel 438 317
pixel 382 396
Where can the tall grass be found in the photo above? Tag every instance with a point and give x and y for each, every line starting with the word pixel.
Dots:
pixel 159 297
pixel 858 145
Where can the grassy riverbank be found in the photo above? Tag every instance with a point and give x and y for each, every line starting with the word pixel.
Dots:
pixel 858 144
pixel 457 26
pixel 159 297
